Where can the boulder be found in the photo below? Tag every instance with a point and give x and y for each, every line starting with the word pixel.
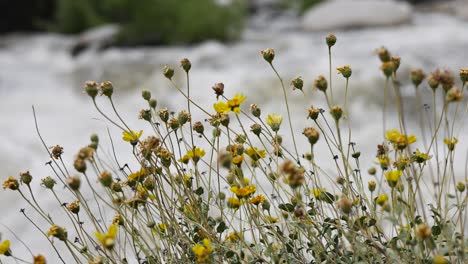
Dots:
pixel 343 14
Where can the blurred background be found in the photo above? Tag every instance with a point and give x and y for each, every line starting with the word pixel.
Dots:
pixel 49 48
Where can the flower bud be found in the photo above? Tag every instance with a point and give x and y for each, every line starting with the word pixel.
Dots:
pixel 153 103
pixel 372 171
pixel 336 112
pixel 146 95
pixel 25 177
pixel 446 80
pixel 106 88
pixel 330 40
pixel 80 165
pixel 145 114
pixel 163 114
pixel 91 88
pixel 256 129
pixel 168 72
pixel 48 182
pixel 266 205
pixel 345 71
pixel 218 88
pixel 255 110
pixel 198 127
pixel 417 76
pixel 384 54
pixel 39 259
pixel 434 79
pixel 268 54
pixel 321 83
pixel 224 119
pixel 74 182
pixel 461 186
pixel 186 64
pixel 94 138
pixel 311 134
pixel 371 185
pixel 221 196
pixel 297 83
pixel 105 178
pixel 116 187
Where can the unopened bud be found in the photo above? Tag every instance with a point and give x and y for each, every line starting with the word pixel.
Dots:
pixel 153 103
pixel 371 185
pixel 80 165
pixel 336 112
pixel 48 182
pixel 297 83
pixel 345 71
pixel 184 117
pixel 25 177
pixel 91 88
pixel 185 64
pixel 198 127
pixel 168 72
pixel 417 76
pixel 105 178
pixel 461 186
pixel 384 54
pixel 311 134
pixel 331 40
pixel 255 110
pixel 74 182
pixel 146 95
pixel 256 129
pixel 268 54
pixel 321 83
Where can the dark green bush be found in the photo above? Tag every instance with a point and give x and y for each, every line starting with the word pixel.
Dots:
pixel 154 21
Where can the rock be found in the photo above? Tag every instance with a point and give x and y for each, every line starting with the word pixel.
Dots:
pixel 461 9
pixel 342 14
pixel 96 38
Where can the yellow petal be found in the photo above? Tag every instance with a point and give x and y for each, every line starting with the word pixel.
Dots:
pixel 4 247
pixel 100 237
pixel 112 232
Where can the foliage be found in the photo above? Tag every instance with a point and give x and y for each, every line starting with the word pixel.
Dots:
pixel 230 194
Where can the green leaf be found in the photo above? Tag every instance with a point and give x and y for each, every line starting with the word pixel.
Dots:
pixel 286 207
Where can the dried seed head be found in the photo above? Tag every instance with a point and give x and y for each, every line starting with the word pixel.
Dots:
pixel 454 95
pixel 173 123
pixel 58 232
pixel 80 165
pixel 74 207
pixel 384 54
pixel 184 117
pixel 198 127
pixel 321 83
pixel 417 76
pixel 311 134
pixel 268 54
pixel 345 204
pixel 330 40
pixel 91 88
pixel 145 114
pixel 423 231
pixel 447 80
pixel 464 75
pixel 434 79
pixel 300 212
pixel 164 114
pixel 388 68
pixel 218 88
pixel 256 129
pixel 336 112
pixel 56 151
pixel 186 64
pixel 106 88
pixel 48 182
pixel 105 178
pixel 297 83
pixel 74 182
pixel 313 113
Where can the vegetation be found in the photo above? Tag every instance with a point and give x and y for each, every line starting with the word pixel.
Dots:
pixel 227 190
pixel 154 21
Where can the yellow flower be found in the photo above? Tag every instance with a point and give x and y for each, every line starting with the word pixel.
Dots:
pixel 399 140
pixel 162 227
pixel 204 251
pixel 234 236
pixel 317 192
pixel 237 160
pixel 11 183
pixel 451 143
pixel 235 102
pixel 137 176
pixel 271 219
pixel 233 203
pixel 439 259
pixel 393 177
pixel 108 239
pixel 255 153
pixel 39 259
pixel 384 161
pixel 131 136
pixel 5 248
pixel 345 71
pixel 58 232
pixel 381 199
pixel 258 199
pixel 193 154
pixel 221 107
pixel 244 191
pixel 274 121
pixel 420 157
